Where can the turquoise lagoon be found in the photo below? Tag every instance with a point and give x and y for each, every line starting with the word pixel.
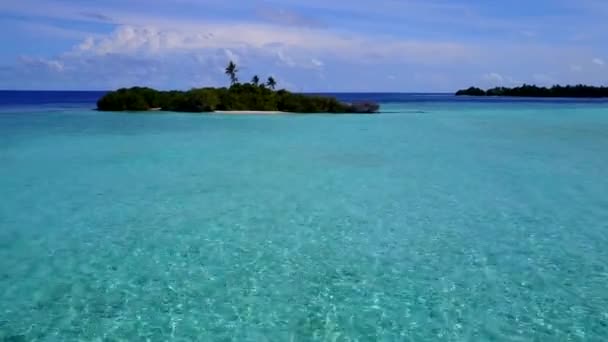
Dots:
pixel 438 220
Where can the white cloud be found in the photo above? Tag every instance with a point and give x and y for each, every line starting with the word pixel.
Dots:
pixel 317 63
pixel 598 61
pixel 232 56
pixel 285 59
pixel 85 69
pixel 41 63
pixel 544 79
pixel 87 44
pixel 283 43
pixel 170 49
pixel 56 65
pixel 493 77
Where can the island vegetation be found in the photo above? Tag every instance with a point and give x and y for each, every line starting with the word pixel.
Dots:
pixel 526 90
pixel 252 96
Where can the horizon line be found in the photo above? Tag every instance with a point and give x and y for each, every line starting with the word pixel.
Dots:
pixel 303 92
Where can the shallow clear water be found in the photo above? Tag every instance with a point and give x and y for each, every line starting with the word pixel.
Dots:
pixel 435 221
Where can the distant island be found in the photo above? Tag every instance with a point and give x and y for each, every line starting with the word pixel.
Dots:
pixel 254 96
pixel 578 91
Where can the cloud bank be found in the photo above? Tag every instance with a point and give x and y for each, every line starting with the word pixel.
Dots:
pixel 366 48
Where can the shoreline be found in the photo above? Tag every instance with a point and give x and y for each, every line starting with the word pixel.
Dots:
pixel 249 112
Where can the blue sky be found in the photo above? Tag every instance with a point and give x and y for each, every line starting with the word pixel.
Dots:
pixel 307 45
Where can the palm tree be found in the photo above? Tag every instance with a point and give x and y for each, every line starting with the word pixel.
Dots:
pixel 231 71
pixel 271 83
pixel 255 80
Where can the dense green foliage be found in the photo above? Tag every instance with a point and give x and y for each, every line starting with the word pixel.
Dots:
pixel 472 91
pixel 534 91
pixel 237 97
pixel 252 96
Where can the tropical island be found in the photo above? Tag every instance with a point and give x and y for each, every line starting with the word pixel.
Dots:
pixel 254 96
pixel 578 91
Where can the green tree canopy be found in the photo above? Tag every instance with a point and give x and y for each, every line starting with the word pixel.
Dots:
pixel 248 96
pixel 526 90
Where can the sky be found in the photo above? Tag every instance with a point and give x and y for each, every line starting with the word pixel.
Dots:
pixel 307 45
